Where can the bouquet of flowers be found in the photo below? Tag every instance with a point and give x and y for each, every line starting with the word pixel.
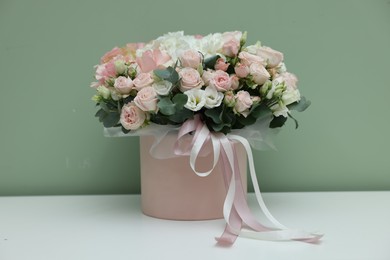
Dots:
pixel 205 86
pixel 176 77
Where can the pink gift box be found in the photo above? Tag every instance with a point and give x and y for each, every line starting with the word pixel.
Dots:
pixel 171 190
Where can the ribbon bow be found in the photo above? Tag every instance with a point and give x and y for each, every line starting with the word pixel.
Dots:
pixel 236 211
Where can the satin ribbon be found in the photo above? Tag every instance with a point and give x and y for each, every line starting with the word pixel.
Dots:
pixel 235 210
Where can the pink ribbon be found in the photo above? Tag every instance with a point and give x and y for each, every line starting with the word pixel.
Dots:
pixel 236 210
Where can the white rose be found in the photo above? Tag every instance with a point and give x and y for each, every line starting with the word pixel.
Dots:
pixel 196 99
pixel 162 88
pixel 213 97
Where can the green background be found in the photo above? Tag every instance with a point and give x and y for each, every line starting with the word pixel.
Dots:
pixel 50 142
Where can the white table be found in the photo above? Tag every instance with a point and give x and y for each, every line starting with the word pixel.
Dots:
pixel 112 227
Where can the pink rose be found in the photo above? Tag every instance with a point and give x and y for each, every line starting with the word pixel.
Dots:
pixel 221 65
pixel 259 74
pixel 231 43
pixel 243 103
pixel 189 79
pixel 152 59
pixel 221 81
pixel 190 58
pixel 247 58
pixel 132 117
pixel 241 70
pixel 272 57
pixel 105 71
pixel 146 99
pixel 142 80
pixel 123 85
pixel 207 76
pixel 111 54
pixel 235 82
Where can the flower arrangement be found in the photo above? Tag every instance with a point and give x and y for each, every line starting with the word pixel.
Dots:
pixel 176 76
pixel 203 88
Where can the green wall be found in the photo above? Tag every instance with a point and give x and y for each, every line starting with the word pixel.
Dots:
pixel 50 143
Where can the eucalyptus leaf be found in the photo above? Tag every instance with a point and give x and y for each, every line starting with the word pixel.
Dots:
pixel 300 106
pixel 162 74
pixel 181 116
pixel 159 119
pixel 111 119
pixel 180 100
pixel 260 110
pixel 124 130
pixel 216 127
pixel 278 122
pixel 101 114
pixel 209 63
pixel 169 74
pixel 249 120
pixel 174 76
pixel 166 106
pixel 214 114
pixel 296 121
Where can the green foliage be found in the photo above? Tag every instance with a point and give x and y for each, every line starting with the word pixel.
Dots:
pixel 278 121
pixel 209 63
pixel 172 111
pixel 249 120
pixel 179 100
pixel 166 106
pixel 260 110
pixel 300 106
pixel 170 74
pixel 108 118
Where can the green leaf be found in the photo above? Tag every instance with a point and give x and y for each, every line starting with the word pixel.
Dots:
pixel 169 74
pixel 296 121
pixel 228 117
pixel 249 120
pixel 209 63
pixel 166 106
pixel 111 119
pixel 181 116
pixel 174 76
pixel 214 114
pixel 180 100
pixel 278 122
pixel 125 131
pixel 162 74
pixel 101 114
pixel 260 110
pixel 300 106
pixel 159 119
